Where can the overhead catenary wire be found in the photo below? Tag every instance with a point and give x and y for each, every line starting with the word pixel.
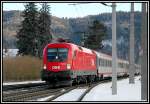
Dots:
pixel 79 10
pixel 82 10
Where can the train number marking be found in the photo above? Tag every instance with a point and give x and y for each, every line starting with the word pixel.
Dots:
pixel 55 67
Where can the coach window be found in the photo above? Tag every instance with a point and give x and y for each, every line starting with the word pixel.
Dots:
pixel 105 62
pixel 110 63
pixel 120 65
pixel 127 66
pixel 102 62
pixel 123 65
pixel 99 62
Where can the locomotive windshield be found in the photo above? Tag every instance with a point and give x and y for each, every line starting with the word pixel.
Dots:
pixel 57 54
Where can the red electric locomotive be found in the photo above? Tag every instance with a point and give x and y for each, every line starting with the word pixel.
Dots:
pixel 67 62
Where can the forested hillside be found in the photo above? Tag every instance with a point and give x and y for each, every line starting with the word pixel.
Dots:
pixel 74 28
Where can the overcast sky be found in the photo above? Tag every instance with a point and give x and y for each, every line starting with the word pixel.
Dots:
pixel 67 10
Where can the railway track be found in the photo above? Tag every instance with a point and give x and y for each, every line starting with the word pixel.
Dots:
pixel 84 88
pixel 31 94
pixel 36 93
pixel 89 89
pixel 23 90
pixel 95 84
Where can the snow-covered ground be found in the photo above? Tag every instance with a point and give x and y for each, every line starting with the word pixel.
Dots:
pixel 10 52
pixel 125 92
pixel 103 92
pixel 23 82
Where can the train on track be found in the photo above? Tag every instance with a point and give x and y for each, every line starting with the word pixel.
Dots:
pixel 68 63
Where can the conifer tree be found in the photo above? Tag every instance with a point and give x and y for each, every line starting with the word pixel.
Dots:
pixel 97 33
pixel 44 28
pixel 27 35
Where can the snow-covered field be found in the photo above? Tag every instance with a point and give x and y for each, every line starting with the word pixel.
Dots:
pixel 10 52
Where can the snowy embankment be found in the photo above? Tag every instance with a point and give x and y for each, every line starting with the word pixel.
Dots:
pixel 103 92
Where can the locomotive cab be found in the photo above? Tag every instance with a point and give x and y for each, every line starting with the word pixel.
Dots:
pixel 57 63
pixel 68 63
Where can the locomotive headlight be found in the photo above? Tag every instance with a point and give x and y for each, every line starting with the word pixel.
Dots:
pixel 68 66
pixel 44 67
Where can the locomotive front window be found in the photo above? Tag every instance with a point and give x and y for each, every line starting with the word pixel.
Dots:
pixel 57 54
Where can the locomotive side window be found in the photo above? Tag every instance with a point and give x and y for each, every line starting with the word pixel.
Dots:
pixel 110 63
pixel 74 54
pixel 57 54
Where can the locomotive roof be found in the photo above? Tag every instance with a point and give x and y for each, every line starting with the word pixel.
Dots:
pixel 109 57
pixel 74 46
pixel 61 43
